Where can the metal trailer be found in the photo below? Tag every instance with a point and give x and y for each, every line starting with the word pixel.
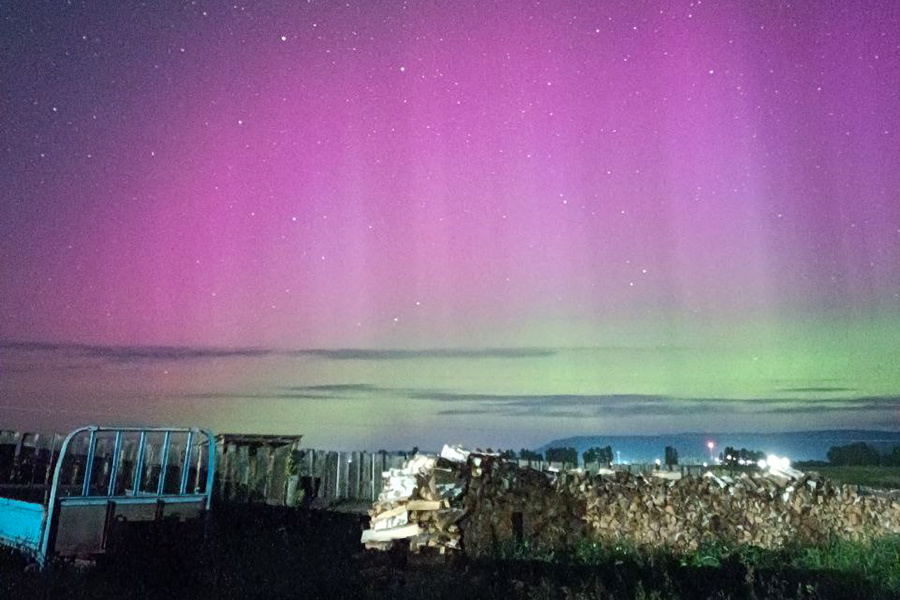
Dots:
pixel 105 478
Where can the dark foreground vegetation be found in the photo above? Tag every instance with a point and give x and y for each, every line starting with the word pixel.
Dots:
pixel 255 552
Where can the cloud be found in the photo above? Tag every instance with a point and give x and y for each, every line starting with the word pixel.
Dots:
pixel 433 353
pixel 181 353
pixel 567 405
pixel 863 404
pixel 620 405
pixel 817 390
pixel 132 353
pixel 571 405
pixel 252 396
pixel 334 391
pixel 339 388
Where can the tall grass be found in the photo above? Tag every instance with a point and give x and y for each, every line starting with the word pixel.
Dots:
pixel 876 562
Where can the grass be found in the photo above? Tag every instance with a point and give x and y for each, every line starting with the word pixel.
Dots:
pixel 878 561
pixel 836 569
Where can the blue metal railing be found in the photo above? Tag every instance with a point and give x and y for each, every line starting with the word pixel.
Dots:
pixel 136 495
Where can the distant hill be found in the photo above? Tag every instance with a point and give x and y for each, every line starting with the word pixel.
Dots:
pixel 796 445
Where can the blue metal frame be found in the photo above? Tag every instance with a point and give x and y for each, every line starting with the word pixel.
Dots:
pixel 136 497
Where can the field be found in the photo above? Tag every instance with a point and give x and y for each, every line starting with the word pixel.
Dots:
pixel 265 553
pixel 876 477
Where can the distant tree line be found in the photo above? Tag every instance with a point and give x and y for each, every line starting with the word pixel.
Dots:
pixel 569 456
pixel 565 455
pixel 671 456
pixel 862 454
pixel 603 455
pixel 732 457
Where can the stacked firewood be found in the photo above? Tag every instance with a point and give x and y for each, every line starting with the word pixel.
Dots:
pixel 420 502
pixel 766 510
pixel 507 504
pixel 485 501
pixel 763 509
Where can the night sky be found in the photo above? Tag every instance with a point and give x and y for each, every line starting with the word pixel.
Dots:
pixel 392 223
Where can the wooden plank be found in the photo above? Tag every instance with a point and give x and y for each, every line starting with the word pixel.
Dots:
pixel 386 535
pixel 389 514
pixel 423 504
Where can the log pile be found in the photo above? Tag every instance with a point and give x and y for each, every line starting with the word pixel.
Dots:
pixel 763 510
pixel 766 510
pixel 420 502
pixel 485 501
pixel 505 503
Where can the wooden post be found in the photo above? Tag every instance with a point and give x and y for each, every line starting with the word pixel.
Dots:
pixel 325 469
pixel 233 460
pixel 337 476
pixel 374 491
pixel 243 474
pixel 358 481
pixel 270 476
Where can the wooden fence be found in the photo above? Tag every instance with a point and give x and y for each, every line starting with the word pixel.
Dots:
pixel 291 476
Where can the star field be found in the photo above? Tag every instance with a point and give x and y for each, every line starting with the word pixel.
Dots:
pixel 412 175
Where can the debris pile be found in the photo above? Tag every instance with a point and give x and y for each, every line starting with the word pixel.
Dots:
pixel 421 502
pixel 480 500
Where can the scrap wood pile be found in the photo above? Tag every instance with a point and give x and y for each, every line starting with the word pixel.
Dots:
pixel 421 502
pixel 479 500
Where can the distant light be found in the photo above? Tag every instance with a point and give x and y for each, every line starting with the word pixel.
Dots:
pixel 657 461
pixel 705 465
pixel 761 463
pixel 773 462
pixel 710 445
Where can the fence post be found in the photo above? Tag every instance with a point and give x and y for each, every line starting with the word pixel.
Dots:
pixel 372 460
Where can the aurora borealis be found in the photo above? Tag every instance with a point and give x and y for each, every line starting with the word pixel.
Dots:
pixel 387 223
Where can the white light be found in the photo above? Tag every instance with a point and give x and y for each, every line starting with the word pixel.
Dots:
pixel 761 463
pixel 773 461
pixel 657 461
